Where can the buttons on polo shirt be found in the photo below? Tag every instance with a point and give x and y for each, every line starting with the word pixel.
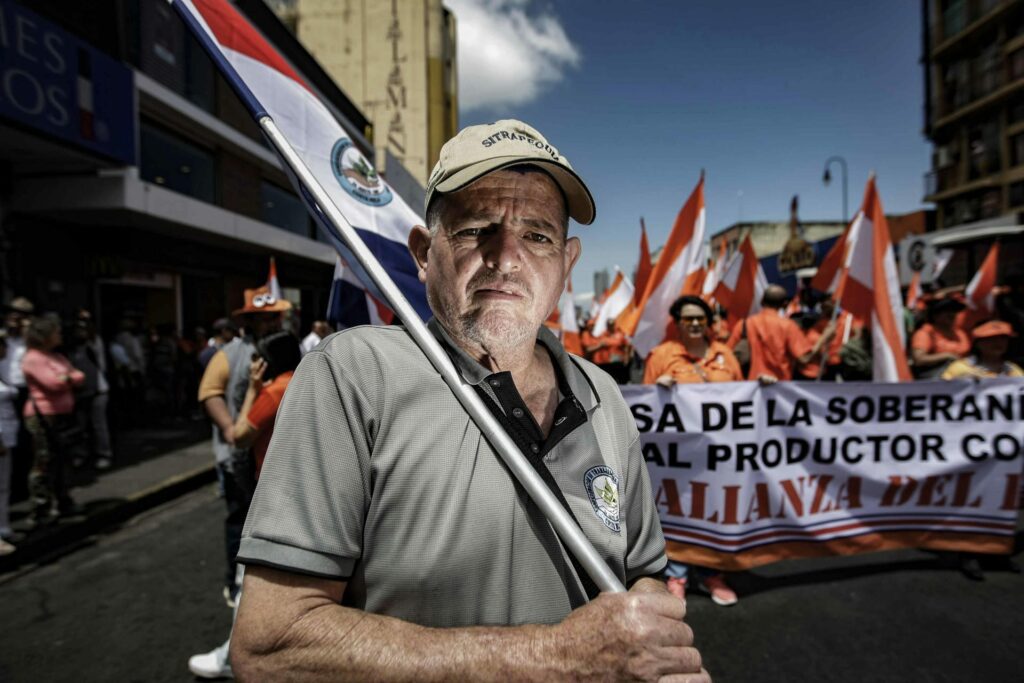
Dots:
pixel 535 447
pixel 518 412
pixel 494 382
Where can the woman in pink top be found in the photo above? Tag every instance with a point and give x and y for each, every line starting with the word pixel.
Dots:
pixel 49 413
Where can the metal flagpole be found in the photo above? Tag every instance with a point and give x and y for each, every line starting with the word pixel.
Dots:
pixel 345 235
pixel 564 525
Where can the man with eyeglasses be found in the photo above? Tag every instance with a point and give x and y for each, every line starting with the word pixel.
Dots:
pixel 222 392
pixel 695 357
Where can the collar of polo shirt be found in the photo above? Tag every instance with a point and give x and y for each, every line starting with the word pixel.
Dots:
pixel 474 373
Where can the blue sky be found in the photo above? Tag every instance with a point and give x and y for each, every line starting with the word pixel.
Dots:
pixel 640 96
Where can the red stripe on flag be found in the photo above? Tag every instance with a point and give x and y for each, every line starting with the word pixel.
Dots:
pixel 234 32
pixel 868 526
pixel 643 268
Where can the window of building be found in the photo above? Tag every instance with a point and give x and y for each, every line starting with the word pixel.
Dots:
pixel 1017 150
pixel 282 208
pixel 163 49
pixel 991 203
pixel 1015 110
pixel 986 6
pixel 1017 193
pixel 1016 64
pixel 956 82
pixel 988 71
pixel 954 17
pixel 175 163
pixel 983 150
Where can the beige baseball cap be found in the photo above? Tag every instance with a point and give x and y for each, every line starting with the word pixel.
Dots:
pixel 479 150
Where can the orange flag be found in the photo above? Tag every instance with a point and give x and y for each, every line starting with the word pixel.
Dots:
pixel 869 288
pixel 914 291
pixel 743 283
pixel 643 268
pixel 570 328
pixel 680 270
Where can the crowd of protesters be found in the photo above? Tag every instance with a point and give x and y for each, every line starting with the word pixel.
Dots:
pixel 64 389
pixel 805 338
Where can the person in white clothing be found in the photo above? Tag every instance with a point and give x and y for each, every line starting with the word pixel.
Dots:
pixel 9 425
pixel 320 330
pixel 19 311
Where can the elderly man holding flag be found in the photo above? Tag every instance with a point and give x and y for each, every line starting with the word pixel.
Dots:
pixel 386 539
pixel 446 512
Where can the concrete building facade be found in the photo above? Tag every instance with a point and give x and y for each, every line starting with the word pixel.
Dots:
pixel 973 57
pixel 396 60
pixel 133 181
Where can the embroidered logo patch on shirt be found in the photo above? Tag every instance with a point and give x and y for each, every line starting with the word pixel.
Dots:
pixel 603 490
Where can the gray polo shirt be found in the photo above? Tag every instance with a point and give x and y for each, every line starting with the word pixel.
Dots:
pixel 377 476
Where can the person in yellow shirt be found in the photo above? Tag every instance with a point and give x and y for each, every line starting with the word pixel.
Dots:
pixel 991 342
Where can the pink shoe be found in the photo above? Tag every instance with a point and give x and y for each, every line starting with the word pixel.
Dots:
pixel 721 594
pixel 677 587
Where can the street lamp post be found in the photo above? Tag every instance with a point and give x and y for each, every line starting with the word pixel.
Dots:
pixel 827 177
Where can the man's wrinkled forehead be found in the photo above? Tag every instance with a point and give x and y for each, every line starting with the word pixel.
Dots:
pixel 482 198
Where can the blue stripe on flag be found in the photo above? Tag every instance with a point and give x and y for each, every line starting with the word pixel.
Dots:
pixel 347 306
pixel 393 256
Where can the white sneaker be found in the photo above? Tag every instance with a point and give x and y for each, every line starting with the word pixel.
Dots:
pixel 6 548
pixel 213 664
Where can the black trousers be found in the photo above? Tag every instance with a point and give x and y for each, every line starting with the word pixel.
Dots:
pixel 237 497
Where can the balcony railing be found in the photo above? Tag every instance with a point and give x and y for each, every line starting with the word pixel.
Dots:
pixel 959 16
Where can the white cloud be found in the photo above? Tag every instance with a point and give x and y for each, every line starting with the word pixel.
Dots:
pixel 508 55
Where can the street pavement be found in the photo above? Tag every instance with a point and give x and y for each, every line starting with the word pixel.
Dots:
pixel 132 605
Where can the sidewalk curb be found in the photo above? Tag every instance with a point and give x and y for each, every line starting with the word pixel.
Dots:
pixel 45 545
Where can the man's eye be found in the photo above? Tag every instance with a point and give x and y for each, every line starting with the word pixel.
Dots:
pixel 469 232
pixel 539 238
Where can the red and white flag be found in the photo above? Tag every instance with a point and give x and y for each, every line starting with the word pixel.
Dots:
pixel 615 301
pixel 643 266
pixel 743 283
pixel 680 270
pixel 272 284
pixel 914 290
pixel 715 273
pixel 981 290
pixel 268 85
pixel 567 319
pixel 832 270
pixel 870 288
pixel 350 304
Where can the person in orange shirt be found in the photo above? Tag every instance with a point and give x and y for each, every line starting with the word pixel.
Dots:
pixel 719 327
pixel 694 358
pixel 939 341
pixel 608 351
pixel 845 328
pixel 777 344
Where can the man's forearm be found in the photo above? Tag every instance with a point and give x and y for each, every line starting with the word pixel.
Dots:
pixel 334 643
pixel 291 627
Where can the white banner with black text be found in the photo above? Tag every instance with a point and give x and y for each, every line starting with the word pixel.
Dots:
pixel 744 475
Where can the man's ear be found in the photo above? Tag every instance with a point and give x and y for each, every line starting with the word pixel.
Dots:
pixel 573 249
pixel 419 246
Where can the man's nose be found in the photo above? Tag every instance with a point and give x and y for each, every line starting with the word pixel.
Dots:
pixel 502 251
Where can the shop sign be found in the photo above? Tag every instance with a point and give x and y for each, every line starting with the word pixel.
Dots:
pixel 54 83
pixel 798 253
